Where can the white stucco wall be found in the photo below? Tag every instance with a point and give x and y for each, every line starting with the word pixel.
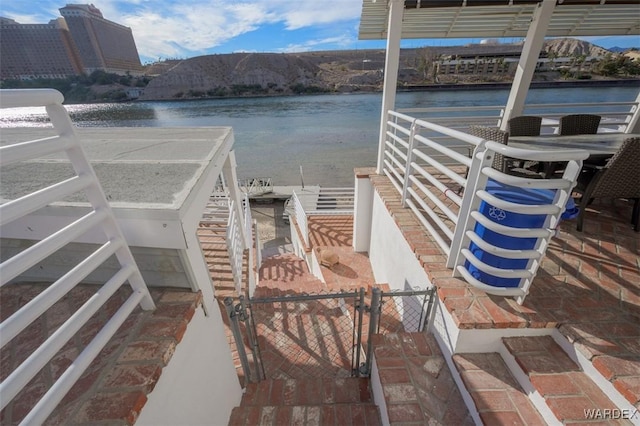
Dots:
pixel 392 259
pixel 362 214
pixel 199 386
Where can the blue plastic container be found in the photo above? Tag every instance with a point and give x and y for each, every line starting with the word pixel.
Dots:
pixel 517 195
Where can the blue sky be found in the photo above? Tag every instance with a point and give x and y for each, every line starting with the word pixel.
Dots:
pixel 184 28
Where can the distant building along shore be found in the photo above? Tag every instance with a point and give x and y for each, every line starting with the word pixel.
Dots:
pixel 79 42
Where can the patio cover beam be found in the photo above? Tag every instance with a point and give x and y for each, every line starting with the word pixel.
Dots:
pixel 392 61
pixel 528 60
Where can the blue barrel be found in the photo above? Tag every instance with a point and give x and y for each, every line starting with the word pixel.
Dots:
pixel 526 196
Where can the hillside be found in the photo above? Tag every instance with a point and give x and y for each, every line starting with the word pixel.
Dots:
pixel 269 73
pixel 241 74
pixel 573 47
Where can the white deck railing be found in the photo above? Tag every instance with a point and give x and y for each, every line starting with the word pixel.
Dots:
pixel 252 244
pixel 235 246
pixel 256 186
pixel 616 116
pixel 328 201
pixel 101 216
pixel 333 201
pixel 430 176
pixel 301 217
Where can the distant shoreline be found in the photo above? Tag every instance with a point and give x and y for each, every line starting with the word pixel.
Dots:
pixel 534 85
pixel 428 87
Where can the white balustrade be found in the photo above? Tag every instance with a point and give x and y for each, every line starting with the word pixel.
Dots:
pixel 100 216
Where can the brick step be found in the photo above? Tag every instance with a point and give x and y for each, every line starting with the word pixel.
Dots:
pixel 310 391
pixel 567 391
pixel 311 401
pixel 308 415
pixel 498 397
pixel 417 385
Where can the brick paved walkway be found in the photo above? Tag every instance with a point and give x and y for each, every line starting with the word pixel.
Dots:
pixel 588 287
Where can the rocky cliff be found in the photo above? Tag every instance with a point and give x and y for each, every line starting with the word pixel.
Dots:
pixel 268 73
pixel 241 74
pixel 571 47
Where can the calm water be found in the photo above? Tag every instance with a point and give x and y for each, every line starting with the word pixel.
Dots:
pixel 328 135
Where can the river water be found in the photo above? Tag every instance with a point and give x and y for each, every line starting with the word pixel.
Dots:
pixel 328 135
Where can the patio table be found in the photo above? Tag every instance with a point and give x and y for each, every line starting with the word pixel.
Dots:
pixel 600 144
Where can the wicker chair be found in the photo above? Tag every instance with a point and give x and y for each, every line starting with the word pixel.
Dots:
pixel 579 124
pixel 496 135
pixel 619 178
pixel 525 125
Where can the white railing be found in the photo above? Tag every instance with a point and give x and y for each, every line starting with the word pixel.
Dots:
pixel 430 176
pixel 616 116
pixel 247 221
pixel 256 186
pixel 327 201
pixel 252 244
pixel 101 216
pixel 334 201
pixel 422 169
pixel 235 246
pixel 301 217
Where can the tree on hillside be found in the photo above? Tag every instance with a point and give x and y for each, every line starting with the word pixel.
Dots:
pixel 427 60
pixel 612 66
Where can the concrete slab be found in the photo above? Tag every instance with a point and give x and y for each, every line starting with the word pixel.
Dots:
pixel 157 180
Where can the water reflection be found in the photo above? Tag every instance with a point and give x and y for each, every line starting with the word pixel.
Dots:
pixel 328 135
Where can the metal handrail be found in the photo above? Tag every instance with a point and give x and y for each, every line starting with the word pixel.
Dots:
pixel 235 246
pixel 100 216
pixel 301 217
pixel 453 229
pixel 334 201
pixel 616 115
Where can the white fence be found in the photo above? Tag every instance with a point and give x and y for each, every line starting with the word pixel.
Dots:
pixel 256 186
pixel 328 201
pixel 301 217
pixel 430 177
pixel 100 216
pixel 252 244
pixel 616 116
pixel 235 246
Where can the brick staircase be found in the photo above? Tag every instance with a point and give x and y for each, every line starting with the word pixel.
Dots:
pixel 212 237
pixel 286 274
pixel 328 401
pixel 290 335
pixel 416 385
pixel 533 381
pixel 529 381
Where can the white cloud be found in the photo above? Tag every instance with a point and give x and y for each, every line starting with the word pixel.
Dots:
pixel 167 29
pixel 315 44
pixel 181 28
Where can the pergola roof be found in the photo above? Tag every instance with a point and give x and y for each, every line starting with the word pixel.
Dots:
pixel 500 18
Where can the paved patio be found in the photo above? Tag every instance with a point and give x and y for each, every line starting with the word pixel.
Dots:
pixel 588 287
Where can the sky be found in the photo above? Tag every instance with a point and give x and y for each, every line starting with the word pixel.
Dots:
pixel 178 29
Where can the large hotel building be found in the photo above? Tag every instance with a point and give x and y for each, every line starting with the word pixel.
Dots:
pixel 82 41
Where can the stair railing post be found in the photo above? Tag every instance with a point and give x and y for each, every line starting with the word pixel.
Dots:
pixel 361 307
pixel 237 336
pixel 251 336
pixel 374 319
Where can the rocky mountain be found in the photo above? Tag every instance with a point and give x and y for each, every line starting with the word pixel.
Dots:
pixel 239 74
pixel 570 47
pixel 267 73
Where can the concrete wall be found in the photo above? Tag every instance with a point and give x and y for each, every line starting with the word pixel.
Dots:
pixel 199 386
pixel 392 259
